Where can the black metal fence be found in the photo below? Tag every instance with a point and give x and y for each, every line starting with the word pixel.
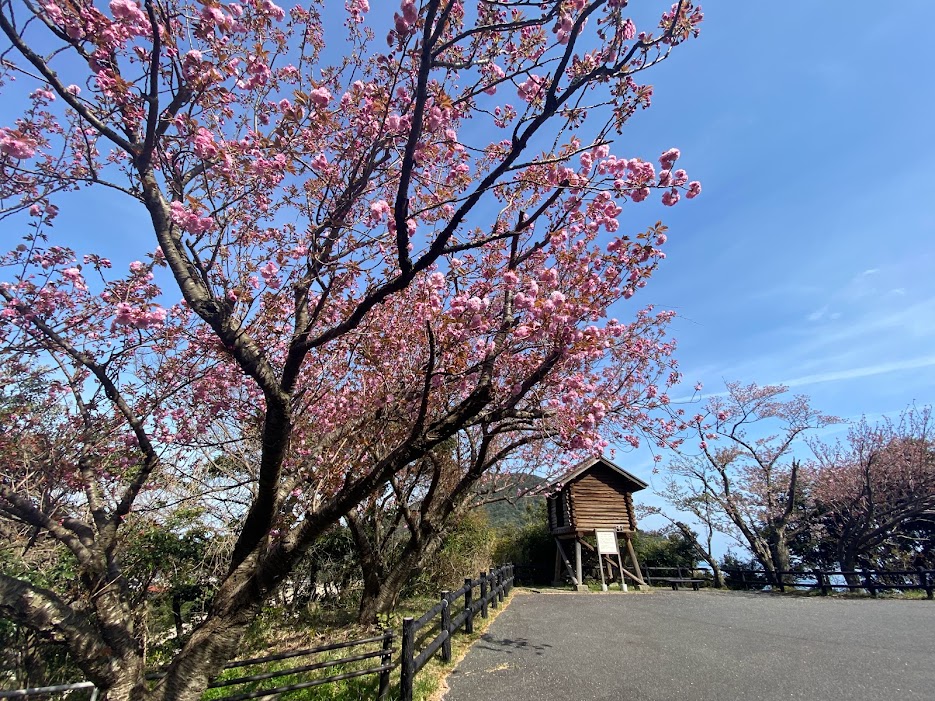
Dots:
pixel 487 591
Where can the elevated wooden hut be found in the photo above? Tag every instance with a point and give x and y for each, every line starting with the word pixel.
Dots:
pixel 595 498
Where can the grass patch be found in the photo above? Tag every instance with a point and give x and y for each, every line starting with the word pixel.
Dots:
pixel 279 635
pixel 363 687
pixel 430 683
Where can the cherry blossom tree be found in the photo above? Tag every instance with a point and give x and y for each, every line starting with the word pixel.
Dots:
pixel 875 486
pixel 346 262
pixel 687 498
pixel 397 531
pixel 742 480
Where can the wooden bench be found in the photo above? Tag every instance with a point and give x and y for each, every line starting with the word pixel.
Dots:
pixel 675 582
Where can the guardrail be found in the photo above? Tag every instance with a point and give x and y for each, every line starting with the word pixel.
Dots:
pixel 492 588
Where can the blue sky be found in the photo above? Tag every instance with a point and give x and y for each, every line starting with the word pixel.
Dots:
pixel 809 258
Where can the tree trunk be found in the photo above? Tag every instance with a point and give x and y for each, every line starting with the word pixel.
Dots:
pixel 34 669
pixel 177 615
pixel 215 642
pixel 129 684
pixel 847 560
pixel 761 551
pixel 373 596
pixel 383 597
pixel 717 574
pixel 395 575
pixel 704 552
pixel 779 553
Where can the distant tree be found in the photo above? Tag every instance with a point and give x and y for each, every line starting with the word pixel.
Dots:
pixel 664 547
pixel 743 480
pixel 877 488
pixel 705 515
pixel 529 545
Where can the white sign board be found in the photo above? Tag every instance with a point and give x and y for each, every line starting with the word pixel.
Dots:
pixel 606 542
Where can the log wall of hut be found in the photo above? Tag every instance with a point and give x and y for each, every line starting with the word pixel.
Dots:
pixel 559 507
pixel 601 498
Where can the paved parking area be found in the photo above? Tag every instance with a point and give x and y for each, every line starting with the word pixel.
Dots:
pixel 697 646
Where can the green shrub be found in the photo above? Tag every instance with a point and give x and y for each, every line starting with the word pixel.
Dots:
pixel 466 550
pixel 530 547
pixel 664 548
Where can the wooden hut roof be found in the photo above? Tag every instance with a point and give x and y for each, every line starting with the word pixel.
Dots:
pixel 589 464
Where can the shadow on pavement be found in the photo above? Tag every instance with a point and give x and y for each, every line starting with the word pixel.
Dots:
pixel 509 645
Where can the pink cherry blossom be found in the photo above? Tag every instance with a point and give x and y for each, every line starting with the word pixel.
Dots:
pixel 668 159
pixel 530 89
pixel 273 308
pixel 357 9
pixel 190 221
pixel 628 31
pixel 16 144
pixel 320 97
pixel 127 10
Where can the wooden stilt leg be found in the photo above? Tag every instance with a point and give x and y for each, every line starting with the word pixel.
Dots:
pixel 600 563
pixel 571 573
pixel 557 578
pixel 580 578
pixel 636 562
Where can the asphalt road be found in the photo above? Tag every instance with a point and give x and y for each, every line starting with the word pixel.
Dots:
pixel 696 646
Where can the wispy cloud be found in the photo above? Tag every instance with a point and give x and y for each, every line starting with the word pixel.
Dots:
pixel 865 371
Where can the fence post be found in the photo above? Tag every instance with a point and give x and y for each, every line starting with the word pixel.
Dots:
pixel 925 583
pixel 493 587
pixel 868 583
pixel 483 594
pixel 820 576
pixel 446 626
pixel 779 580
pixel 385 659
pixel 469 606
pixel 501 579
pixel 406 663
pixel 743 580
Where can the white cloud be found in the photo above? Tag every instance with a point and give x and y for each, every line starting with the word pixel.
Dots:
pixel 865 371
